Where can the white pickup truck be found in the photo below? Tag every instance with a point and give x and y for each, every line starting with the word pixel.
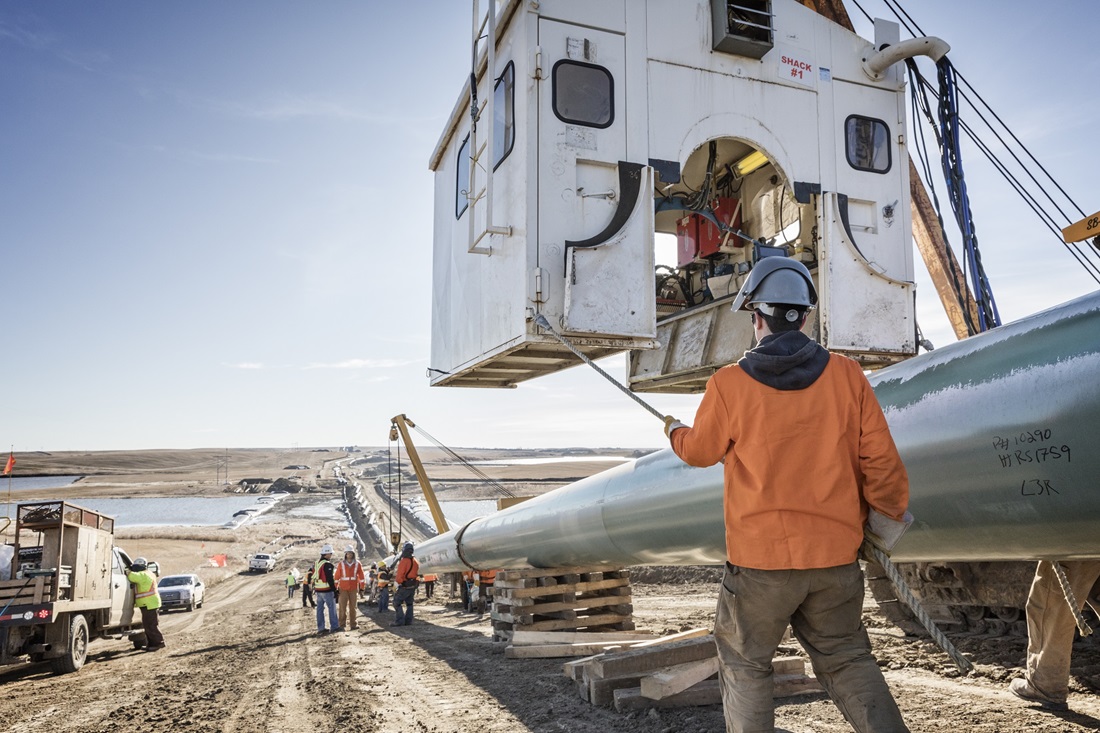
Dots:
pixel 261 562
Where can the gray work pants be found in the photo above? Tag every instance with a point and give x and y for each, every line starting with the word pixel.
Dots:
pixel 1051 624
pixel 824 608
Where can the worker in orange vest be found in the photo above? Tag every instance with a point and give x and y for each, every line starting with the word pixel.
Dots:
pixel 429 584
pixel 485 580
pixel 405 578
pixel 350 582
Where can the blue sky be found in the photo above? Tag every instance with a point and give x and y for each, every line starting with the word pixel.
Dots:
pixel 215 219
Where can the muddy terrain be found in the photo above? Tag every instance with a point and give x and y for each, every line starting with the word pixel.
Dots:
pixel 250 660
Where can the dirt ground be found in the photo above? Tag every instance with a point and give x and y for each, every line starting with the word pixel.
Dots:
pixel 250 660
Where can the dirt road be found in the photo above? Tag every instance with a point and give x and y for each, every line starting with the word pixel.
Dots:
pixel 250 660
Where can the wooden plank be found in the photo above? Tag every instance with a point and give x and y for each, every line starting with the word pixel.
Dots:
pixel 789 665
pixel 672 680
pixel 650 658
pixel 709 692
pixel 567 588
pixel 577 623
pixel 574 669
pixel 682 636
pixel 704 693
pixel 602 691
pixel 554 651
pixel 523 637
pixel 599 602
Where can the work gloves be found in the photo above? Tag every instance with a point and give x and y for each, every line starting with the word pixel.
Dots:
pixel 884 532
pixel 671 424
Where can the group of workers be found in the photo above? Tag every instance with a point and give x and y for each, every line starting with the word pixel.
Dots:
pixel 336 587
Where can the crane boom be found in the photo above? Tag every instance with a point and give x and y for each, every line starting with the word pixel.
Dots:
pixel 402 424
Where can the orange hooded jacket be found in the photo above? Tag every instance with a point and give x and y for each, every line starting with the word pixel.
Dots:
pixel 802 466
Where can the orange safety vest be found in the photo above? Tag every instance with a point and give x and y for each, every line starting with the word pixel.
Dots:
pixel 407 572
pixel 431 578
pixel 384 581
pixel 349 576
pixel 486 577
pixel 319 582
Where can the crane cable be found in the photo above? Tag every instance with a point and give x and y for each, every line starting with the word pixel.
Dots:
pixel 1080 251
pixel 472 468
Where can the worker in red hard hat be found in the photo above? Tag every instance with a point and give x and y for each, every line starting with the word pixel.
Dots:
pixel 808 458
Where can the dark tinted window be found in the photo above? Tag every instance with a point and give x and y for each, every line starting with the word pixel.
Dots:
pixel 867 144
pixel 462 178
pixel 583 94
pixel 504 117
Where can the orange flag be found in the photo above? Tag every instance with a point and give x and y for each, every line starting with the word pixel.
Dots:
pixel 9 465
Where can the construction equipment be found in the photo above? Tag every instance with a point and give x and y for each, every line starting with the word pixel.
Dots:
pixel 400 425
pixel 992 486
pixel 66 585
pixel 799 149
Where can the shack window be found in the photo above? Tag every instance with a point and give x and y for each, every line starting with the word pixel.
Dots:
pixel 504 115
pixel 462 178
pixel 583 94
pixel 867 144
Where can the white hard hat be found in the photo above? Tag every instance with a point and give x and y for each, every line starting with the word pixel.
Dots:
pixel 326 549
pixel 350 548
pixel 139 561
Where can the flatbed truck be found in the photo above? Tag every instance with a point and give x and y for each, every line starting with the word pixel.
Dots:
pixel 65 586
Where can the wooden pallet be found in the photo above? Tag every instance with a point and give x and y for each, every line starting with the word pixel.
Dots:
pixel 672 671
pixel 561 599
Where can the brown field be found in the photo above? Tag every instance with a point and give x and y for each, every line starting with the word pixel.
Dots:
pixel 249 660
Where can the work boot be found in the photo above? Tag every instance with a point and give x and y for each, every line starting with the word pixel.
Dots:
pixel 1022 689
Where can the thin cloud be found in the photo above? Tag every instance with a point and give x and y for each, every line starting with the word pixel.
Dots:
pixel 51 44
pixel 362 364
pixel 197 154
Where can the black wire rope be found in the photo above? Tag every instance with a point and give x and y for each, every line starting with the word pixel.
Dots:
pixel 898 13
pixel 1081 252
pixel 962 294
pixel 1029 198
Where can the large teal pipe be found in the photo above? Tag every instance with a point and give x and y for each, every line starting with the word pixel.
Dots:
pixel 998 433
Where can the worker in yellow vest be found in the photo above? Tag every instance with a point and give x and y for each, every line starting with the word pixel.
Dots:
pixel 324 590
pixel 147 599
pixel 384 580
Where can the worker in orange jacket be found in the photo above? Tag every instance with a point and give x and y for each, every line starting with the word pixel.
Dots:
pixel 350 582
pixel 405 578
pixel 808 456
pixel 486 579
pixel 429 584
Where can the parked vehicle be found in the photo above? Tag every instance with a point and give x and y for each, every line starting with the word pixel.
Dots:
pixel 261 562
pixel 62 583
pixel 181 591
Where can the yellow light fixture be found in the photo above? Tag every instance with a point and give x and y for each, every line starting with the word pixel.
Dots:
pixel 750 162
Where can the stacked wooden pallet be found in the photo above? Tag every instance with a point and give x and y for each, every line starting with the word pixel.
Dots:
pixel 561 599
pixel 674 671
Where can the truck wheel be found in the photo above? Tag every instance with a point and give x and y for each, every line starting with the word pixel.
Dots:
pixel 190 606
pixel 76 647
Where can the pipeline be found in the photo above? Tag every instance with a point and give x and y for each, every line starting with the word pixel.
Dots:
pixel 996 432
